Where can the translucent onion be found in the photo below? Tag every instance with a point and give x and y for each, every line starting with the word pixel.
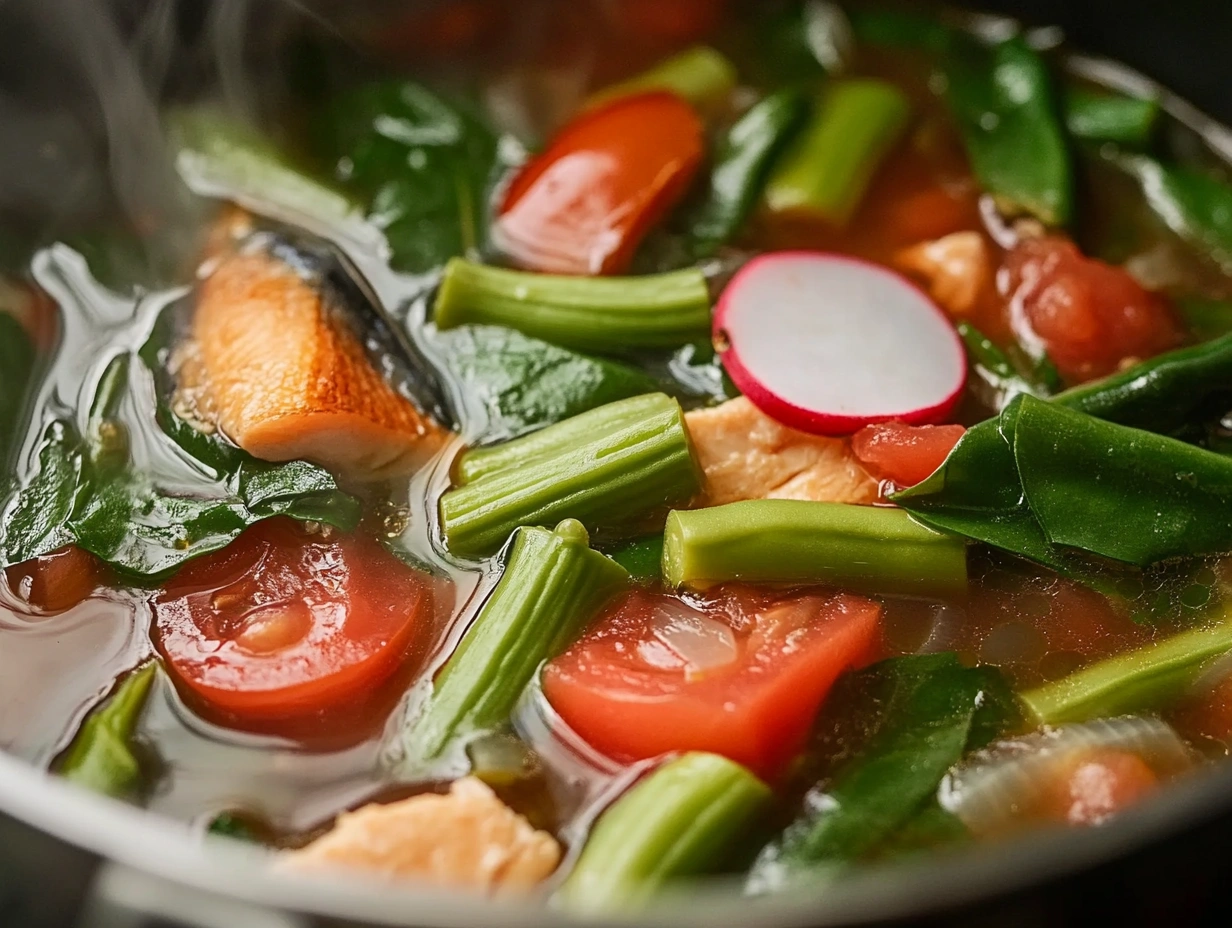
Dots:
pixel 996 787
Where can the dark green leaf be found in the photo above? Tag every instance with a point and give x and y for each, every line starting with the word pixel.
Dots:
pixel 741 166
pixel 17 361
pixel 1110 117
pixel 801 43
pixel 515 384
pixel 423 165
pixel 900 28
pixel 643 559
pixel 38 521
pixel 933 711
pixel 929 828
pixel 1206 318
pixel 1002 97
pixel 101 756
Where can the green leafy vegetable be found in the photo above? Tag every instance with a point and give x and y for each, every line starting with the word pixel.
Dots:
pixel 423 166
pixel 1044 482
pixel 1097 116
pixel 801 44
pixel 682 820
pixel 1003 99
pixel 513 384
pixel 643 559
pixel 900 28
pixel 933 711
pixel 742 166
pixel 101 756
pixel 551 586
pixel 995 365
pixel 1206 318
pixel 17 360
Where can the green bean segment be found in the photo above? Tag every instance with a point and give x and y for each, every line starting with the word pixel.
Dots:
pixel 101 756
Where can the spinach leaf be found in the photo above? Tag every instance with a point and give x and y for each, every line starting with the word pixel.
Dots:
pixel 513 384
pixel 1194 205
pixel 17 360
pixel 643 558
pixel 934 711
pixel 101 756
pixel 1003 99
pixel 424 167
pixel 1050 483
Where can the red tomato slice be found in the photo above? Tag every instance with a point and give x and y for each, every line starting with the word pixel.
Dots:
pixel 739 675
pixel 905 454
pixel 282 624
pixel 586 202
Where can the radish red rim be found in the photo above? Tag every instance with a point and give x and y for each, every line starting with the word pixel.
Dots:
pixel 827 343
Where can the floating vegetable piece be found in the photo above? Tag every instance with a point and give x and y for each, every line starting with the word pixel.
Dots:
pixel 586 314
pixel 284 376
pixel 792 541
pixel 552 585
pixel 934 711
pixel 826 171
pixel 283 625
pixel 609 468
pixel 1148 677
pixel 1000 786
pixel 514 384
pixel 466 839
pixel 742 167
pixel 101 756
pixel 904 454
pixel 828 344
pixel 583 205
pixel 739 673
pixel 1110 117
pixel 745 454
pixel 700 75
pixel 1003 99
pixel 682 820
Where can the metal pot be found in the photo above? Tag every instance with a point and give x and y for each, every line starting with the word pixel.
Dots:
pixel 71 858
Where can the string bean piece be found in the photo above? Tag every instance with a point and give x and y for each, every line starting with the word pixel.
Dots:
pixel 553 583
pixel 101 756
pixel 701 75
pixel 826 171
pixel 1096 116
pixel 1003 99
pixel 610 467
pixel 1144 678
pixel 869 548
pixel 682 820
pixel 580 313
pixel 742 166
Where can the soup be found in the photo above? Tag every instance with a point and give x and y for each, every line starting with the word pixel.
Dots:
pixel 607 449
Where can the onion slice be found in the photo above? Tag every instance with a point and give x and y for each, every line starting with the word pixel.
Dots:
pixel 827 344
pixel 995 787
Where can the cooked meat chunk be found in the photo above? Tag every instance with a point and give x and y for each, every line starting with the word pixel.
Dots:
pixel 747 455
pixel 467 838
pixel 955 269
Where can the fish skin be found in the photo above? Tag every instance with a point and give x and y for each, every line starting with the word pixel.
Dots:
pixel 465 839
pixel 747 455
pixel 288 379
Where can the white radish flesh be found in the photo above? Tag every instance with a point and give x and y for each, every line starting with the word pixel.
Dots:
pixel 827 344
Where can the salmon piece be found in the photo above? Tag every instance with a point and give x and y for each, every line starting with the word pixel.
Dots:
pixel 466 839
pixel 747 455
pixel 281 373
pixel 956 269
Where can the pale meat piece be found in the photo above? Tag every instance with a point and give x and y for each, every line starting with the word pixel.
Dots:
pixel 466 839
pixel 955 269
pixel 747 455
pixel 283 375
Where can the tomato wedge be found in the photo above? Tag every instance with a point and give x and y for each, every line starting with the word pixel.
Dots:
pixel 740 674
pixel 586 202
pixel 904 454
pixel 283 624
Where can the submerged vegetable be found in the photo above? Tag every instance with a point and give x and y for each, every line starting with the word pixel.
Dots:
pixel 607 468
pixel 933 711
pixel 827 344
pixel 552 584
pixel 826 172
pixel 1109 117
pixel 586 314
pixel 1003 98
pixel 682 820
pixel 700 75
pixel 793 541
pixel 101 756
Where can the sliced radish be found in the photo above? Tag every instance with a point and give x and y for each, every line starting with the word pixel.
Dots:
pixel 827 344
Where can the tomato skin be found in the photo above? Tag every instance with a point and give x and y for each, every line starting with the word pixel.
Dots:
pixel 1091 317
pixel 904 454
pixel 1098 784
pixel 756 710
pixel 58 581
pixel 584 204
pixel 282 624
